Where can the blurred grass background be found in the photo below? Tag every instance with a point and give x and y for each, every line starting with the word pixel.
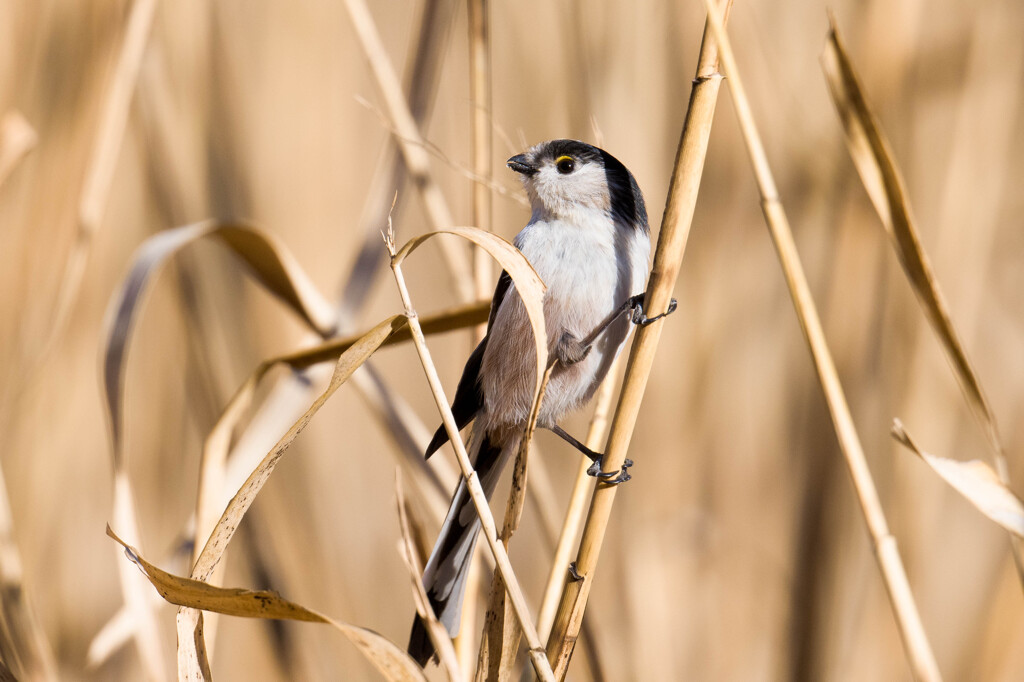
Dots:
pixel 738 552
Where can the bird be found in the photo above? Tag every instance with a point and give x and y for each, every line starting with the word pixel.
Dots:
pixel 589 241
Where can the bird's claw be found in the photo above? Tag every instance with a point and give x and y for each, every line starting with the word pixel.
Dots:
pixel 610 477
pixel 639 317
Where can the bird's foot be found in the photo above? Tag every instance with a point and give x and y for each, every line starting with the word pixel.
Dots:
pixel 610 477
pixel 639 317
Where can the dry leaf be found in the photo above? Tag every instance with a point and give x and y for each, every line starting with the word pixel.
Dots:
pixel 268 260
pixel 525 280
pixel 976 481
pixel 272 265
pixel 388 658
pixel 877 168
pixel 217 442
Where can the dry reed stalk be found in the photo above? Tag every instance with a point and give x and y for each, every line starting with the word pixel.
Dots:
pixel 482 149
pixel 876 165
pixel 23 644
pixel 102 161
pixel 417 161
pixel 582 487
pixel 17 138
pixel 482 154
pixel 922 660
pixel 437 632
pixel 423 68
pixel 675 228
pixel 500 642
pixel 489 529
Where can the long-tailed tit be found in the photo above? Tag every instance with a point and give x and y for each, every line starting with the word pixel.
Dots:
pixel 589 241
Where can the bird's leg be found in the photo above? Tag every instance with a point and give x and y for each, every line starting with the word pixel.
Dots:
pixel 635 306
pixel 569 350
pixel 561 433
pixel 609 477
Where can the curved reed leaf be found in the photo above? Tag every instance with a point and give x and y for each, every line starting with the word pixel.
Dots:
pixel 390 660
pixel 223 532
pixel 437 632
pixel 269 261
pixel 975 480
pixel 873 158
pixel 525 280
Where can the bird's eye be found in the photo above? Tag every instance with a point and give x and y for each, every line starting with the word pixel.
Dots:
pixel 565 165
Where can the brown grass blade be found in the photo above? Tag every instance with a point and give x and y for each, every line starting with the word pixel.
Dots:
pixel 438 634
pixel 455 318
pixel 347 363
pixel 975 480
pixel 388 658
pixel 915 640
pixel 499 644
pixel 17 138
pixel 273 266
pixel 216 445
pixel 872 156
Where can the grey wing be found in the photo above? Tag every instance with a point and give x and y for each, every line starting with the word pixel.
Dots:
pixel 469 396
pixel 504 282
pixel 469 399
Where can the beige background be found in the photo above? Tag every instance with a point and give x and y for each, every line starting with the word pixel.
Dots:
pixel 738 552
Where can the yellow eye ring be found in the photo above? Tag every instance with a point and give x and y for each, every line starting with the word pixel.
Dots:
pixel 565 164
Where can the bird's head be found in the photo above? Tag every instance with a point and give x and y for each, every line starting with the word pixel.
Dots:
pixel 568 179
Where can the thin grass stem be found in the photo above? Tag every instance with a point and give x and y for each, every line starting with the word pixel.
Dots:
pixel 675 229
pixel 922 660
pixel 476 491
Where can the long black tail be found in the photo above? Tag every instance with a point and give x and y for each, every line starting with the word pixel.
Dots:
pixel 447 569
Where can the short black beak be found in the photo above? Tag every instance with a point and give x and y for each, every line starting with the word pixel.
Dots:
pixel 521 164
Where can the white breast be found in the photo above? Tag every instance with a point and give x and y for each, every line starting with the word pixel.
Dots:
pixel 590 267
